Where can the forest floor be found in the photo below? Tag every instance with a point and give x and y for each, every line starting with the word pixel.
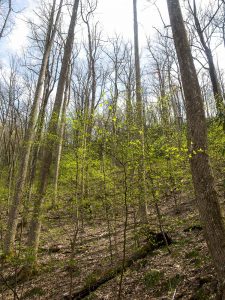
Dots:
pixel 185 273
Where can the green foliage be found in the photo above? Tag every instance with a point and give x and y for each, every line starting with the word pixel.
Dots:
pixel 192 254
pixel 182 242
pixel 201 294
pixel 25 258
pixel 167 162
pixel 173 282
pixel 3 188
pixel 194 257
pixel 216 139
pixel 91 279
pixel 152 278
pixel 141 263
pixel 72 267
pixel 145 231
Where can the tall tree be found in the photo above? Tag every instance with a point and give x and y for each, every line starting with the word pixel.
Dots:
pixel 139 122
pixel 93 44
pixel 35 226
pixel 61 131
pixel 203 180
pixel 30 132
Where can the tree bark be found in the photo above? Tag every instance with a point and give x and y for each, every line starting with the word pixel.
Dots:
pixel 140 123
pixel 30 135
pixel 62 124
pixel 35 226
pixel 203 180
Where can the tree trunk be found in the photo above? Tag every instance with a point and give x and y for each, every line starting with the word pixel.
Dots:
pixel 217 92
pixel 139 123
pixel 203 180
pixel 35 226
pixel 29 136
pixel 61 135
pixel 36 148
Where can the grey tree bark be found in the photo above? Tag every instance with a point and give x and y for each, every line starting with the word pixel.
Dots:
pixel 139 123
pixel 202 176
pixel 61 131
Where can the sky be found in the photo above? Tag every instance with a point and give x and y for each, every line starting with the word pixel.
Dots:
pixel 113 16
pixel 13 43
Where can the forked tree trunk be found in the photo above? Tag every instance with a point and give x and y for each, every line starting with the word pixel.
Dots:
pixel 203 180
pixel 139 123
pixel 30 135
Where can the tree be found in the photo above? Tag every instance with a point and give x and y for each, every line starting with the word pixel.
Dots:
pixel 35 226
pixel 30 132
pixel 205 43
pixel 127 78
pixel 139 122
pixel 203 180
pixel 92 47
pixel 61 131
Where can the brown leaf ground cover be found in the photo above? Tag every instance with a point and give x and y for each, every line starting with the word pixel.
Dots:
pixel 186 273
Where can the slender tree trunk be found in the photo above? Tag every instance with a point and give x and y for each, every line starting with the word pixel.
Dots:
pixel 61 135
pixel 203 180
pixel 140 123
pixel 37 146
pixel 106 204
pixel 129 108
pixel 29 136
pixel 93 83
pixel 217 92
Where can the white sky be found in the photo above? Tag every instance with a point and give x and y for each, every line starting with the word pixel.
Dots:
pixel 13 43
pixel 117 15
pixel 113 15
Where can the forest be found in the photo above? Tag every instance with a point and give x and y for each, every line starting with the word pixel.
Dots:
pixel 112 151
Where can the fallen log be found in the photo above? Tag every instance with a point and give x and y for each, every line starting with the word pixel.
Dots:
pixel 155 241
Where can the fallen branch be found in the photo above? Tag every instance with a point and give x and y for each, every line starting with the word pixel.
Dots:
pixel 155 241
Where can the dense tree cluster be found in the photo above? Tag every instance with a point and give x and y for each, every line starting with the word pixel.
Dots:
pixel 90 130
